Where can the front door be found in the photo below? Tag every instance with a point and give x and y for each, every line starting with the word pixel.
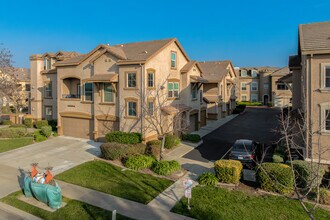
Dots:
pixel 265 99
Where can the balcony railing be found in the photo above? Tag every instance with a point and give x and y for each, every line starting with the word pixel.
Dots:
pixel 71 96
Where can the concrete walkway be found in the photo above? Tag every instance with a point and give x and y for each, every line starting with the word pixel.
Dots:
pixel 12 213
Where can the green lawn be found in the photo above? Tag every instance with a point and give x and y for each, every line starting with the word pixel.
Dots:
pixel 73 210
pixel 110 179
pixel 216 203
pixel 10 144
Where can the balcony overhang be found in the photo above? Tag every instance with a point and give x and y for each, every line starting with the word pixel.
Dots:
pixel 197 79
pixel 174 109
pixel 102 78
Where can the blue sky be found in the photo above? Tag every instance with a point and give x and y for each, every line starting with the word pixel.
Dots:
pixel 250 33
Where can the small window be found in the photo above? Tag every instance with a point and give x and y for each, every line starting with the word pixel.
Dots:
pixel 243 86
pixel 254 97
pixel 281 86
pixel 150 107
pixel 194 91
pixel 254 86
pixel 173 90
pixel 243 73
pixel 108 92
pixel 173 59
pixel 48 90
pixel 48 112
pixel 151 79
pixel 27 87
pixel 327 120
pixel 47 64
pixel 131 109
pixel 254 73
pixel 131 80
pixel 88 91
pixel 266 85
pixel 327 77
pixel 244 98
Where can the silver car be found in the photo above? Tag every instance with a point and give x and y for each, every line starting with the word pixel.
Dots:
pixel 244 151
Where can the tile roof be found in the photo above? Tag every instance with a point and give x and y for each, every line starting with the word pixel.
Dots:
pixel 261 68
pixel 314 36
pixel 174 109
pixel 112 77
pixel 281 72
pixel 214 71
pixel 211 98
pixel 188 66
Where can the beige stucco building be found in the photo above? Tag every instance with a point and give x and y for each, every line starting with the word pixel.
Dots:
pixel 311 88
pixel 118 87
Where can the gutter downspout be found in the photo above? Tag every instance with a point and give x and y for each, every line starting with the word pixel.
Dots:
pixel 142 97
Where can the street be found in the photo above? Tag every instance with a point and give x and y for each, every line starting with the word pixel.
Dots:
pixel 257 124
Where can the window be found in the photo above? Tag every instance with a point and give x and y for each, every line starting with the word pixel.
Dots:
pixel 194 91
pixel 131 109
pixel 48 90
pixel 78 90
pixel 243 86
pixel 281 86
pixel 327 77
pixel 131 80
pixel 254 73
pixel 327 120
pixel 244 98
pixel 151 79
pixel 150 107
pixel 48 111
pixel 173 59
pixel 254 97
pixel 254 86
pixel 173 90
pixel 108 92
pixel 266 85
pixel 243 73
pixel 27 87
pixel 47 64
pixel 88 91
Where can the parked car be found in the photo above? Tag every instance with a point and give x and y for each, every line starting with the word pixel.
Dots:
pixel 244 151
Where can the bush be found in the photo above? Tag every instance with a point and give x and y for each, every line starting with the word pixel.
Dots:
pixel 278 158
pixel 28 122
pixel 46 131
pixel 53 124
pixel 13 132
pixel 228 171
pixel 154 148
pixel 305 173
pixel 115 151
pixel 38 136
pixel 6 122
pixel 208 179
pixel 165 168
pixel 41 123
pixel 191 137
pixel 17 126
pixel 124 137
pixel 171 141
pixel 270 104
pixel 250 103
pixel 139 162
pixel 324 196
pixel 275 177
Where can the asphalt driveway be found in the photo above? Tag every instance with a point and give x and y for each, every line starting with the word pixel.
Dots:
pixel 259 124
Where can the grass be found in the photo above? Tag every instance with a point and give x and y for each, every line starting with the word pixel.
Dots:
pixel 10 144
pixel 107 178
pixel 210 202
pixel 73 210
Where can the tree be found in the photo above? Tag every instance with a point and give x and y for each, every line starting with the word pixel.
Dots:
pixel 10 87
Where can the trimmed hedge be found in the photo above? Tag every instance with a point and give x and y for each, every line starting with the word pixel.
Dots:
pixel 115 151
pixel 228 171
pixel 13 132
pixel 154 148
pixel 278 158
pixel 208 179
pixel 275 177
pixel 250 103
pixel 165 168
pixel 38 136
pixel 46 131
pixel 305 173
pixel 124 137
pixel 6 122
pixel 195 138
pixel 17 126
pixel 41 123
pixel 171 141
pixel 139 162
pixel 28 122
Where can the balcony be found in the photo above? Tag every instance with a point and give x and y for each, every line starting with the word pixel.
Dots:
pixel 71 88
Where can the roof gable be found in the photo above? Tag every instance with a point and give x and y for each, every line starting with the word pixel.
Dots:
pixel 215 71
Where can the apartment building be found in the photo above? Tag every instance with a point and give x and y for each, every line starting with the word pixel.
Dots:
pixel 311 88
pixel 116 87
pixel 261 84
pixel 219 88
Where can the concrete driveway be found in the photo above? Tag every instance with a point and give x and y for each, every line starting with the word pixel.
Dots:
pixel 61 153
pixel 257 124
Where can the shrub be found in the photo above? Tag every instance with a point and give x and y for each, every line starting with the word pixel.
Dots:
pixel 53 124
pixel 13 132
pixel 171 141
pixel 228 171
pixel 191 137
pixel 278 158
pixel 7 122
pixel 165 168
pixel 139 162
pixel 275 177
pixel 124 137
pixel 250 103
pixel 208 179
pixel 17 126
pixel 270 104
pixel 28 122
pixel 41 123
pixel 324 196
pixel 305 173
pixel 46 130
pixel 114 151
pixel 38 137
pixel 154 148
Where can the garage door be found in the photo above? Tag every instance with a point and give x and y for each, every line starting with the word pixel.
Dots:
pixel 203 118
pixel 105 127
pixel 77 127
pixel 193 126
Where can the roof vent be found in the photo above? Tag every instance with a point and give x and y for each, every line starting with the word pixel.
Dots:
pixel 108 44
pixel 122 45
pixel 145 51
